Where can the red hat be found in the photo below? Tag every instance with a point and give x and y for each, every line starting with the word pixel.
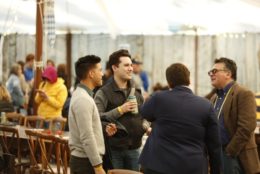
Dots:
pixel 50 73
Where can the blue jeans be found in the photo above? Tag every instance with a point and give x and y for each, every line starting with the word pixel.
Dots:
pixel 231 165
pixel 125 159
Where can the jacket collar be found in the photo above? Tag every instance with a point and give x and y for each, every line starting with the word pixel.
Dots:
pixel 227 105
pixel 182 88
pixel 89 91
pixel 115 87
pixel 224 91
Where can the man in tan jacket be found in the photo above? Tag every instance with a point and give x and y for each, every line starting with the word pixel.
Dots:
pixel 236 110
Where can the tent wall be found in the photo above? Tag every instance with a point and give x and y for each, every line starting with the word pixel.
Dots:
pixel 157 53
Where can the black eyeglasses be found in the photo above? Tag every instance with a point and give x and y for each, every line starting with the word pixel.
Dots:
pixel 214 71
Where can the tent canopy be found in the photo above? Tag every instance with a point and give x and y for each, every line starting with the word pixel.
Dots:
pixel 135 16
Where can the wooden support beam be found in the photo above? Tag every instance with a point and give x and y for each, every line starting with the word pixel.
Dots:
pixel 68 59
pixel 38 47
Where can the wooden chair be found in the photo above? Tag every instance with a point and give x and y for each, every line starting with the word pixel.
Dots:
pixel 34 147
pixel 15 117
pixel 42 144
pixel 47 144
pixel 34 121
pixel 62 154
pixel 58 123
pixel 11 144
pixel 122 171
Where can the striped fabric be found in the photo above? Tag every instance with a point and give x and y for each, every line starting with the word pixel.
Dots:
pixel 49 22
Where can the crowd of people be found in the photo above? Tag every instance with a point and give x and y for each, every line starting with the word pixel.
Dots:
pixel 108 115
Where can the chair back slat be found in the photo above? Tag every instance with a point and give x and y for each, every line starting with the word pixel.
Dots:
pixel 34 121
pixel 58 123
pixel 47 144
pixel 62 154
pixel 33 146
pixel 15 118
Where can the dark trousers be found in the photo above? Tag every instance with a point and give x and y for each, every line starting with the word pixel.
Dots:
pixel 231 165
pixel 80 166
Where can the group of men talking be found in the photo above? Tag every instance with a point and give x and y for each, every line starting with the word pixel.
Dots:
pixel 187 134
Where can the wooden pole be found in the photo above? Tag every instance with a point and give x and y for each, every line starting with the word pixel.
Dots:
pixel 38 47
pixel 68 58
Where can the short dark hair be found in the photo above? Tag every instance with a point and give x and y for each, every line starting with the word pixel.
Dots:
pixel 84 64
pixel 177 74
pixel 114 58
pixel 29 57
pixel 230 65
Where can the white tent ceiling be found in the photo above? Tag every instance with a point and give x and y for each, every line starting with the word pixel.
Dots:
pixel 136 16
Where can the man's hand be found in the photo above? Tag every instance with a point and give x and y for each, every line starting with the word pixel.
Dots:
pixel 99 169
pixel 128 106
pixel 111 129
pixel 148 131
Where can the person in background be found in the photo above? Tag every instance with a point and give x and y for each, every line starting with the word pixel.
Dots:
pixel 51 94
pixel 5 100
pixel 50 62
pixel 185 129
pixel 142 78
pixel 236 110
pixel 108 74
pixel 159 87
pixel 62 73
pixel 86 138
pixel 14 87
pixel 257 99
pixel 29 77
pixel 140 81
pixel 136 73
pixel 25 86
pixel 28 68
pixel 112 103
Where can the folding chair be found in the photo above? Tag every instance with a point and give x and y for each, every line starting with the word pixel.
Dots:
pixel 11 144
pixel 47 144
pixel 38 145
pixel 15 118
pixel 58 124
pixel 34 121
pixel 62 154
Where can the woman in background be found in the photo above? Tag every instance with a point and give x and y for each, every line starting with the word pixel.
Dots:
pixel 14 87
pixel 5 100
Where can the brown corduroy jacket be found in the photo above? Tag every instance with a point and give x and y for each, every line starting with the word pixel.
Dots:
pixel 240 121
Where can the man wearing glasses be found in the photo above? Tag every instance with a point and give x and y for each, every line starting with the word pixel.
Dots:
pixel 236 110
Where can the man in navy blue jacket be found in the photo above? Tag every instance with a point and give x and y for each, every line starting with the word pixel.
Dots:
pixel 185 136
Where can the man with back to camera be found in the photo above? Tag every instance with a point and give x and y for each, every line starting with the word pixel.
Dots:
pixel 111 100
pixel 85 137
pixel 185 129
pixel 236 110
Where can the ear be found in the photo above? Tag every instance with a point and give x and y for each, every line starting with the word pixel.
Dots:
pixel 229 74
pixel 114 67
pixel 170 84
pixel 91 74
